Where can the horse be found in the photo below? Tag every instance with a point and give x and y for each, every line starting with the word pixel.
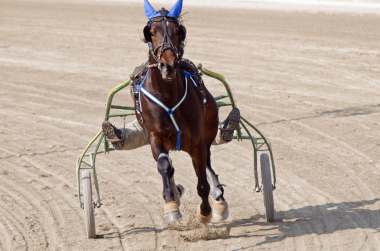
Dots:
pixel 176 117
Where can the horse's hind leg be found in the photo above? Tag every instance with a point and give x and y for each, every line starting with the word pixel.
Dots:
pixel 170 192
pixel 219 204
pixel 199 162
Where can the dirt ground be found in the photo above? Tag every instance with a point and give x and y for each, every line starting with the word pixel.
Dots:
pixel 310 82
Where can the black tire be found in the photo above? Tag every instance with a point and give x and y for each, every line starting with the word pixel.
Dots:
pixel 88 204
pixel 267 187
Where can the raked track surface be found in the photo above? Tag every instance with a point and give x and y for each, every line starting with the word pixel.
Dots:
pixel 310 82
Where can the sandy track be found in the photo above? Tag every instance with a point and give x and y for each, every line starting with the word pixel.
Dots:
pixel 309 81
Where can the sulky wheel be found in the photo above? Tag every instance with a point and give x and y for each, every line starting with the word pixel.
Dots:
pixel 88 204
pixel 267 187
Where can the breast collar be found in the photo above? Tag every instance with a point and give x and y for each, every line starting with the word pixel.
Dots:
pixel 169 111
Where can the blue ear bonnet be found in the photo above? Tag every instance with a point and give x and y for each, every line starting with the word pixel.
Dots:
pixel 174 12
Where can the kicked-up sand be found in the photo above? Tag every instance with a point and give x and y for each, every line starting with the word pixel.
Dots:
pixel 309 81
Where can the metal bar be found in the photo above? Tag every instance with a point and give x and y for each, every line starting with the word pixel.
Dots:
pixel 219 77
pixel 220 97
pixel 259 145
pixel 120 107
pixel 84 162
pixel 109 150
pixel 223 80
pixel 242 137
pixel 273 166
pixel 78 184
pixel 94 171
pixel 221 104
pixel 253 141
pixel 115 115
pixel 80 161
pixel 112 93
pixel 89 145
pixel 269 149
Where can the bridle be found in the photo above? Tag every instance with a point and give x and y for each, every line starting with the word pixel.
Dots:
pixel 166 43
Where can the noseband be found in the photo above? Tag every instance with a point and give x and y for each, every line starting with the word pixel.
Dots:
pixel 166 44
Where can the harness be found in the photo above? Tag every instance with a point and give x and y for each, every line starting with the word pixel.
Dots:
pixel 164 17
pixel 169 111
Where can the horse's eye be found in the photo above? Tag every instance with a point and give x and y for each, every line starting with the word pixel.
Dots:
pixel 153 31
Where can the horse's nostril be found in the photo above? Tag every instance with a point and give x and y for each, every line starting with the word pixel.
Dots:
pixel 167 71
pixel 167 67
pixel 170 68
pixel 168 58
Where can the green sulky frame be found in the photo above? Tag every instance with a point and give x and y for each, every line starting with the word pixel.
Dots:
pixel 99 144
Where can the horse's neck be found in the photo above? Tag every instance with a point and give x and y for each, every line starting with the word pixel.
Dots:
pixel 170 92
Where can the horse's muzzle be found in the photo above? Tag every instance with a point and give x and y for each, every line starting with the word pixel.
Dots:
pixel 168 71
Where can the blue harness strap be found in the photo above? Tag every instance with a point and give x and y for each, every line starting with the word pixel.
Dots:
pixel 169 111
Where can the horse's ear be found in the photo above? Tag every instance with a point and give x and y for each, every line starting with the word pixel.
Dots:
pixel 150 12
pixel 147 34
pixel 176 10
pixel 182 33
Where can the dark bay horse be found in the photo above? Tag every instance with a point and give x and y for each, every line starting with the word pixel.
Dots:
pixel 173 113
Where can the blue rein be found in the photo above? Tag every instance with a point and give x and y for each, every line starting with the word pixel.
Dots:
pixel 169 111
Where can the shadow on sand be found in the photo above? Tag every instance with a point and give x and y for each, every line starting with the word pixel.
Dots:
pixel 320 219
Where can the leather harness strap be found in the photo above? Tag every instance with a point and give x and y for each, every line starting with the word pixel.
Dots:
pixel 169 111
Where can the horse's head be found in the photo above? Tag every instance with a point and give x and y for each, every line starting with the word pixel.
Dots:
pixel 164 35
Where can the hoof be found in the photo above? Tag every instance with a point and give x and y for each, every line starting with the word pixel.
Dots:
pixel 220 210
pixel 205 219
pixel 171 212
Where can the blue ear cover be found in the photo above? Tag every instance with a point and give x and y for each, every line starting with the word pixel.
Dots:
pixel 150 12
pixel 176 10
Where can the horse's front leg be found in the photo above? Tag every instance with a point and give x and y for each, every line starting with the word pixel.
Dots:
pixel 170 192
pixel 219 204
pixel 199 158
